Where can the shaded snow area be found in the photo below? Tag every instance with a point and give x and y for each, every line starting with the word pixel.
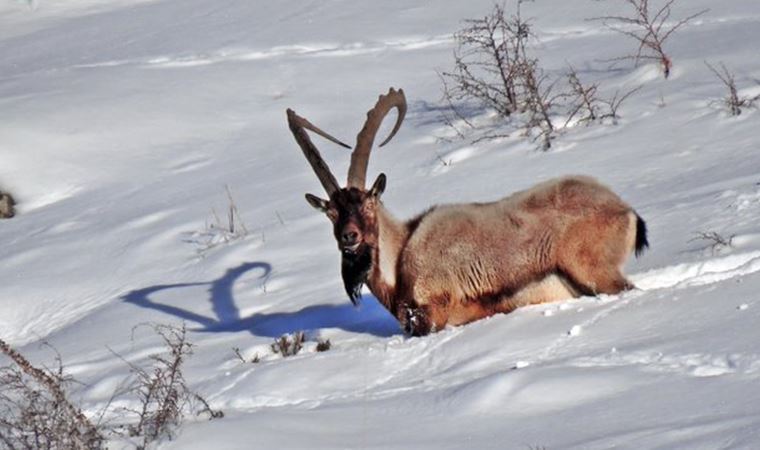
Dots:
pixel 124 124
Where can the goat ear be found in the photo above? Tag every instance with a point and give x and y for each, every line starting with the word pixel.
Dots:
pixel 317 203
pixel 378 187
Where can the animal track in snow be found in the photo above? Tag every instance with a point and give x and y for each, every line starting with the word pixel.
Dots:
pixel 616 302
pixel 677 277
pixel 693 364
pixel 189 164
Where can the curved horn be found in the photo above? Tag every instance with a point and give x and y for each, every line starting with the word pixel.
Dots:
pixel 357 172
pixel 298 125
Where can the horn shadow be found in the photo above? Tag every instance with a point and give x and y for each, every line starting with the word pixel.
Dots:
pixel 371 318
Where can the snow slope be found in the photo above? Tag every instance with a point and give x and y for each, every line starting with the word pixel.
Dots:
pixel 121 122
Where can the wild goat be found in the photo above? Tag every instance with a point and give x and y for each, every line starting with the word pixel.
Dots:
pixel 457 263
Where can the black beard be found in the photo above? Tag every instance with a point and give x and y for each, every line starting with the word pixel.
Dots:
pixel 355 268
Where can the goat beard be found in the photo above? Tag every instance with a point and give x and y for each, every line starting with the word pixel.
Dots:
pixel 355 270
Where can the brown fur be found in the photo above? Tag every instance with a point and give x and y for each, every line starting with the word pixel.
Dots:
pixel 459 263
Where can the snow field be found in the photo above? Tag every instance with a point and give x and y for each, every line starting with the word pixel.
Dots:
pixel 121 123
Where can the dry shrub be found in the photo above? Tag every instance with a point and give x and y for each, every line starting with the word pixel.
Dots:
pixel 650 28
pixel 220 230
pixel 35 411
pixel 255 360
pixel 163 395
pixel 489 57
pixel 289 345
pixel 323 345
pixel 733 102
pixel 714 241
pixel 585 104
pixel 494 70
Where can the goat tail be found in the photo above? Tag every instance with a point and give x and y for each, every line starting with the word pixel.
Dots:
pixel 642 242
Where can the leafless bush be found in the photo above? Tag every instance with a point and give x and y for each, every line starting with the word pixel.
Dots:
pixel 289 345
pixel 650 28
pixel 613 103
pixel 715 241
pixel 490 62
pixel 494 71
pixel 488 57
pixel 540 102
pixel 286 345
pixel 587 106
pixel 233 227
pixel 733 101
pixel 35 412
pixel 162 393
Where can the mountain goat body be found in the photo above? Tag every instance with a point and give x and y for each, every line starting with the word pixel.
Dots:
pixel 454 264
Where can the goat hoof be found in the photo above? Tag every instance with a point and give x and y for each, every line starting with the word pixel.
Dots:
pixel 416 323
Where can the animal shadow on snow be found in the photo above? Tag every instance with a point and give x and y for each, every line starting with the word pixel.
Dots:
pixel 372 318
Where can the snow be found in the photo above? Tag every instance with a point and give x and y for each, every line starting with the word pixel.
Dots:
pixel 121 123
